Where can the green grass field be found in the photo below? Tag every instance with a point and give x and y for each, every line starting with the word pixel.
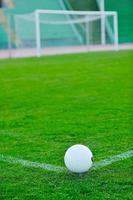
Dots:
pixel 48 104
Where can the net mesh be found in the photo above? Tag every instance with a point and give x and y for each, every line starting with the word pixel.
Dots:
pixel 62 30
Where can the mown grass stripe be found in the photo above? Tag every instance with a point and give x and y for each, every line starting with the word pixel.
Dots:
pixel 49 167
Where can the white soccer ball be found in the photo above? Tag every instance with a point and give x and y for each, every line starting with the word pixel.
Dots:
pixel 78 158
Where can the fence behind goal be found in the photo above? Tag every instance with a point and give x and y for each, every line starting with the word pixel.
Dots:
pixel 45 29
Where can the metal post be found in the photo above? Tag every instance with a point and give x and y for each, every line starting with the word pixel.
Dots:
pixel 87 32
pixel 116 37
pixel 9 36
pixel 103 28
pixel 102 5
pixel 38 39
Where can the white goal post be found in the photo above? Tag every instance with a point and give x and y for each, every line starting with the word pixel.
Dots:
pixel 55 31
pixel 75 17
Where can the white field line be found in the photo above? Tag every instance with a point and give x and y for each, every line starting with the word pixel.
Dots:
pixel 112 159
pixel 97 165
pixel 27 163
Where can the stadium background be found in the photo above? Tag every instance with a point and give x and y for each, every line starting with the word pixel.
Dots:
pixel 125 14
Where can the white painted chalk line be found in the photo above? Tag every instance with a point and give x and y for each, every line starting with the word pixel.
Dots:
pixel 49 167
pixel 27 163
pixel 112 159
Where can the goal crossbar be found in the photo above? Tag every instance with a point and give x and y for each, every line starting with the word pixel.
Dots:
pixel 107 13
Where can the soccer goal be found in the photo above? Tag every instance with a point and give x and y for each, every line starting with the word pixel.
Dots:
pixel 54 29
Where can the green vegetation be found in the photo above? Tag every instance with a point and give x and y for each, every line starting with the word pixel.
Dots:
pixel 50 103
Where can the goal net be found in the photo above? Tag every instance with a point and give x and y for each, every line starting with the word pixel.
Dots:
pixel 51 29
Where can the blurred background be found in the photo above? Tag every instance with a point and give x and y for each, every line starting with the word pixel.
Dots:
pixel 18 28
